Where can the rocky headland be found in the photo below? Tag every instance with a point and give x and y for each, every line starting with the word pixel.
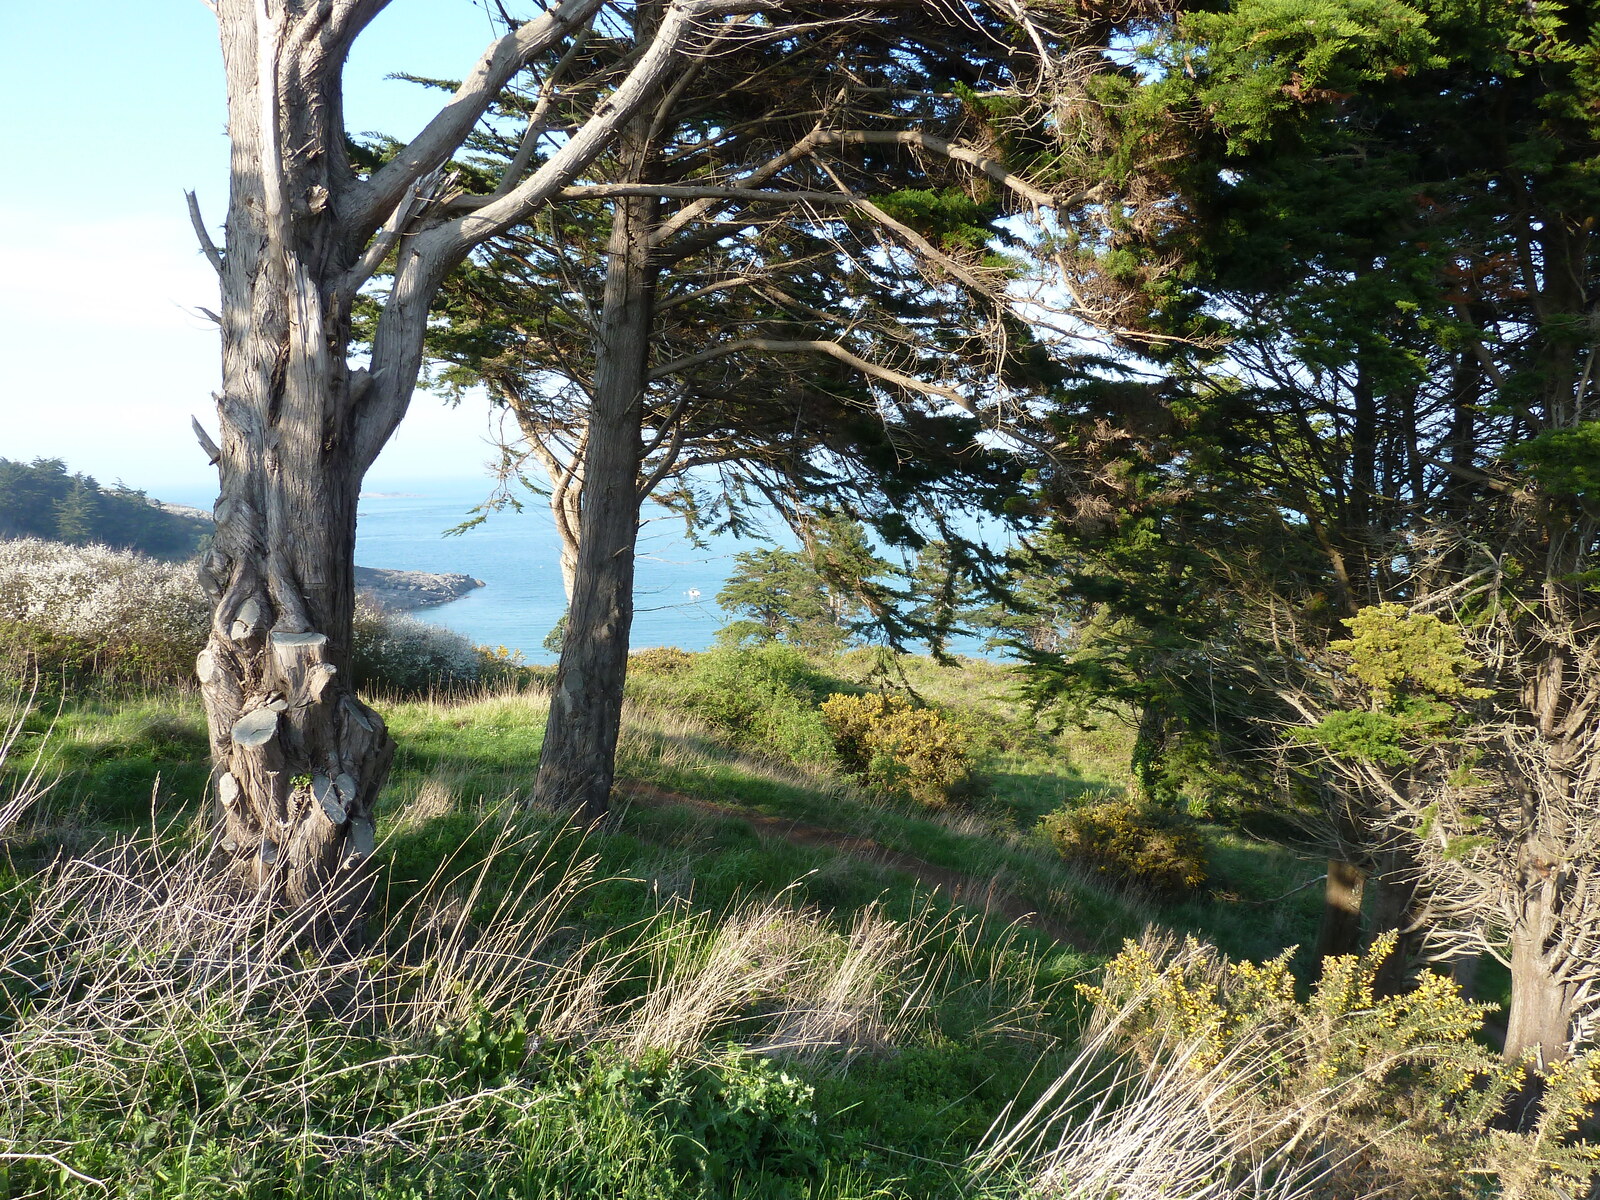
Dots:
pixel 405 590
pixel 399 591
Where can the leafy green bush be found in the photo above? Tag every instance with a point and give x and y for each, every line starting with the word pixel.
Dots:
pixel 734 1123
pixel 889 745
pixel 764 697
pixel 1134 842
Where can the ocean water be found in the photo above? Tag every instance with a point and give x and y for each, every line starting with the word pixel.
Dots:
pixel 401 525
pixel 518 557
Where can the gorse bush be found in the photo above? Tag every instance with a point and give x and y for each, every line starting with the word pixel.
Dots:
pixel 889 745
pixel 660 660
pixel 1392 1094
pixel 1132 841
pixel 1114 1128
pixel 84 609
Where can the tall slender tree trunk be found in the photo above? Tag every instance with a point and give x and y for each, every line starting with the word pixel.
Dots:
pixel 578 761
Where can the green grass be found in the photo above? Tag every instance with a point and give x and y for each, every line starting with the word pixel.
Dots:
pixel 1257 902
pixel 993 1014
pixel 116 761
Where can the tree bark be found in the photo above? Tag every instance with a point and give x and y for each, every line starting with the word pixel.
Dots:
pixel 1397 905
pixel 1340 930
pixel 298 757
pixel 1544 998
pixel 578 760
pixel 1541 1004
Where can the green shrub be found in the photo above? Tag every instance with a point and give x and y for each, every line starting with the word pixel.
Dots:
pixel 500 668
pixel 891 746
pixel 763 697
pixel 1132 841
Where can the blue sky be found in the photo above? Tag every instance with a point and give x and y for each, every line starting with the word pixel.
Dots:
pixel 109 111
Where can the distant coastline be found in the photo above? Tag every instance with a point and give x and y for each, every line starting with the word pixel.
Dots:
pixel 408 590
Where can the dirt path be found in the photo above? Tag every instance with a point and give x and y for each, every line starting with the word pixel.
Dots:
pixel 958 888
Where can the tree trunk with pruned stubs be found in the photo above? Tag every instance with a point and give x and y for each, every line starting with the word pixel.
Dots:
pixel 299 758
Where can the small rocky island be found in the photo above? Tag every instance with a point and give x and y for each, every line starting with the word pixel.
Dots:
pixel 405 590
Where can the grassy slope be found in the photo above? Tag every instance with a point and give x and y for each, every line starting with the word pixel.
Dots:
pixel 995 1022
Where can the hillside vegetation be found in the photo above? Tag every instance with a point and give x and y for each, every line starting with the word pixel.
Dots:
pixel 41 500
pixel 775 971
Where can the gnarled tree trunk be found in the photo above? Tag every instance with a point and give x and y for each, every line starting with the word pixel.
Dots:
pixel 299 758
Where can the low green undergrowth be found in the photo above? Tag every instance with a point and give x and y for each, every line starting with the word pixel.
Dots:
pixel 673 1005
pixel 508 1032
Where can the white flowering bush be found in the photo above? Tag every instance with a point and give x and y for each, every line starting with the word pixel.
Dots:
pixel 94 608
pixel 87 608
pixel 400 653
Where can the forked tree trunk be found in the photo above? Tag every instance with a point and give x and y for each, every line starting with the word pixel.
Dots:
pixel 299 758
pixel 578 761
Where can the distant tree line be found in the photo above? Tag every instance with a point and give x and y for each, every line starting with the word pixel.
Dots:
pixel 40 499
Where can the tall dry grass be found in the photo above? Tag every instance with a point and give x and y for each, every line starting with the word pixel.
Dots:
pixel 133 980
pixel 1113 1128
pixel 21 787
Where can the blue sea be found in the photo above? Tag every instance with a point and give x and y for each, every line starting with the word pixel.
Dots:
pixel 518 557
pixel 402 525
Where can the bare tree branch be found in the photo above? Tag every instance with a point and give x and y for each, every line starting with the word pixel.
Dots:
pixel 538 124
pixel 992 167
pixel 207 246
pixel 444 134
